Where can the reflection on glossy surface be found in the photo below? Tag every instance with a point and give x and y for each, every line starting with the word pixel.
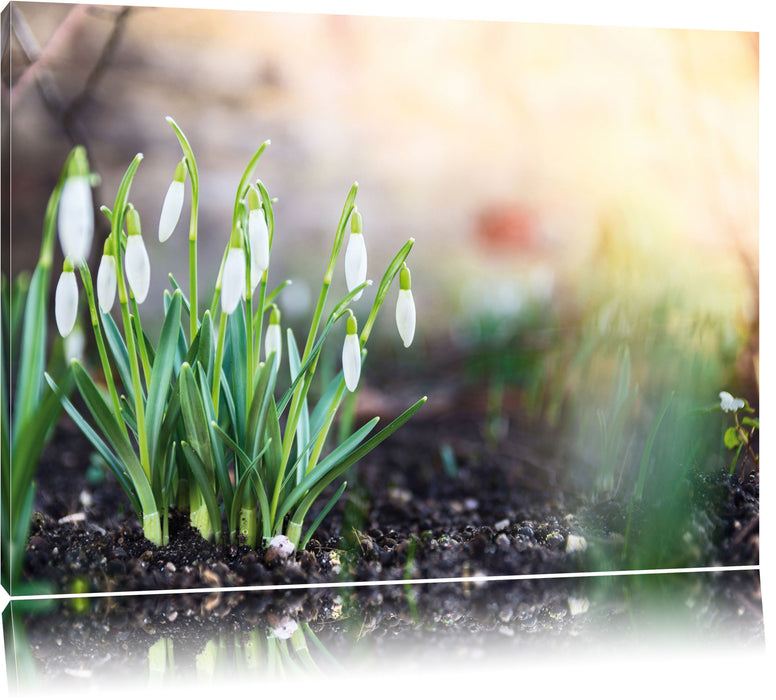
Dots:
pixel 156 640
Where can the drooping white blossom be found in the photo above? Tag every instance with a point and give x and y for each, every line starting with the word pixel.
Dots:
pixel 173 203
pixel 405 308
pixel 258 237
pixel 66 301
pixel 355 255
pixel 729 403
pixel 272 337
pixel 136 261
pixel 106 282
pixel 351 355
pixel 233 280
pixel 75 218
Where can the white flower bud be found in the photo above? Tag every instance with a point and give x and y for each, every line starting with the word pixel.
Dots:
pixel 106 283
pixel 233 280
pixel 138 267
pixel 75 218
pixel 405 308
pixel 171 210
pixel 355 256
pixel 729 403
pixel 258 236
pixel 66 302
pixel 272 338
pixel 351 356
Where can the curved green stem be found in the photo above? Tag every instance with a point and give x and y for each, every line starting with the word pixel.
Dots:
pixel 86 278
pixel 191 166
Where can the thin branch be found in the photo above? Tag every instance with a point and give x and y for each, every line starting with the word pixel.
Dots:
pixel 39 58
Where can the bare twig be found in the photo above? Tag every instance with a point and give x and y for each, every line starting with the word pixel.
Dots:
pixel 99 68
pixel 39 58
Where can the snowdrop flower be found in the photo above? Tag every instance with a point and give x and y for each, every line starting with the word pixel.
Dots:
pixel 355 255
pixel 351 355
pixel 258 236
pixel 405 308
pixel 136 261
pixel 66 300
pixel 173 203
pixel 272 339
pixel 233 279
pixel 728 403
pixel 106 278
pixel 75 218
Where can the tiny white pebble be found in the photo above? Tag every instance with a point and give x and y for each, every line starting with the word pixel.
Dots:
pixel 471 503
pixel 78 672
pixel 285 629
pixel 72 518
pixel 281 543
pixel 501 525
pixel 575 543
pixel 578 606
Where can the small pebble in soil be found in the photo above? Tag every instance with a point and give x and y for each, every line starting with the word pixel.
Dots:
pixel 575 543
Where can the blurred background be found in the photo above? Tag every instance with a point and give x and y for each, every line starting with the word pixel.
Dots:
pixel 584 199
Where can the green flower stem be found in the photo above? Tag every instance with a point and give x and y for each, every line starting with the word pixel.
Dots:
pixel 219 361
pixel 321 441
pixel 393 269
pixel 117 222
pixel 141 344
pixel 249 339
pixel 191 165
pixel 193 302
pixel 327 279
pixel 152 528
pixel 248 525
pixel 300 391
pixel 32 356
pixel 142 437
pixel 198 513
pixel 86 278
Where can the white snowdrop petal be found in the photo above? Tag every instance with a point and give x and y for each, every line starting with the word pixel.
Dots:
pixel 106 283
pixel 138 267
pixel 405 316
pixel 355 262
pixel 75 218
pixel 351 361
pixel 233 280
pixel 258 235
pixel 171 210
pixel 66 303
pixel 272 342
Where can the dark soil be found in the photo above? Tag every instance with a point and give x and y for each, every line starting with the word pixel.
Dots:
pixel 498 509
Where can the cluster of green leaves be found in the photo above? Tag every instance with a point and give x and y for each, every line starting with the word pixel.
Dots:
pixel 28 411
pixel 202 422
pixel 741 435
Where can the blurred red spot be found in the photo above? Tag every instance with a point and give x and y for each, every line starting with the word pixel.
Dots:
pixel 507 227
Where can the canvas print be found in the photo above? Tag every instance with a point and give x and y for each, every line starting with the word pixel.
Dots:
pixel 328 331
